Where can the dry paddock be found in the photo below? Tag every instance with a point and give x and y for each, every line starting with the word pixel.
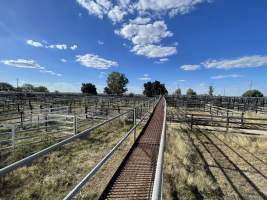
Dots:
pixel 201 164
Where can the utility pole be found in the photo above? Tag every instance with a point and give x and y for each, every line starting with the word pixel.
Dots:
pixel 250 85
pixel 17 83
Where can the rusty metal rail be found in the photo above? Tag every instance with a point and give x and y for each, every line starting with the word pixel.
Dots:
pixel 140 173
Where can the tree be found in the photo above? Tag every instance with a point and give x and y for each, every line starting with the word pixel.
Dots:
pixel 6 87
pixel 211 90
pixel 116 83
pixel 41 89
pixel 88 88
pixel 27 87
pixel 178 92
pixel 252 93
pixel 154 88
pixel 191 92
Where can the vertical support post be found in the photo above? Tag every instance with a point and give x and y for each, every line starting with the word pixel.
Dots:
pixel 13 129
pixel 134 122
pixel 191 123
pixel 75 125
pixel 46 122
pixel 21 119
pixel 227 121
pixel 242 119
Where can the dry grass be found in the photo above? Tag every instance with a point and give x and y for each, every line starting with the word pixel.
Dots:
pixel 53 176
pixel 185 177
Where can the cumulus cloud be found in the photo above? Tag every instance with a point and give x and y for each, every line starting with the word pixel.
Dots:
pixel 190 67
pixel 63 60
pixel 58 46
pixel 98 8
pixel 154 51
pixel 116 14
pixel 95 61
pixel 218 77
pixel 142 34
pixel 145 77
pixel 172 7
pixel 34 43
pixel 73 47
pixel 242 62
pixel 22 63
pixel 45 44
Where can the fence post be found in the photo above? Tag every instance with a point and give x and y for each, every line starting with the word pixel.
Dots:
pixel 191 124
pixel 227 121
pixel 242 119
pixel 13 129
pixel 134 121
pixel 75 124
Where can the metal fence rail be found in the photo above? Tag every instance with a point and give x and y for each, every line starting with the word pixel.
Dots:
pixel 32 157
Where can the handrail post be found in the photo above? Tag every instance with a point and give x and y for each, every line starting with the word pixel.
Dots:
pixel 134 122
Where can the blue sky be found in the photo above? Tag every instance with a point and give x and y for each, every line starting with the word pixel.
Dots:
pixel 185 43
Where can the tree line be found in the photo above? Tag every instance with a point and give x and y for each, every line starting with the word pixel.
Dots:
pixel 24 88
pixel 117 85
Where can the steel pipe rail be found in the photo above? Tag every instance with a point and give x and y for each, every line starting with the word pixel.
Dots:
pixel 158 181
pixel 79 186
pixel 38 154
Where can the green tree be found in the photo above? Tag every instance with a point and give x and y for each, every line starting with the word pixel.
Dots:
pixel 27 87
pixel 211 90
pixel 41 89
pixel 178 92
pixel 253 93
pixel 88 88
pixel 191 92
pixel 6 87
pixel 116 83
pixel 154 88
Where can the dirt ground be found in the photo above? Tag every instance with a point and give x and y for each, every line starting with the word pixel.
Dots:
pixel 236 164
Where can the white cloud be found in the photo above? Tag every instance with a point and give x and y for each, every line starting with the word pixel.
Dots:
pixel 161 60
pixel 50 72
pixel 218 77
pixel 34 43
pixel 141 31
pixel 63 60
pixel 100 42
pixel 98 8
pixel 116 14
pixel 58 46
pixel 181 80
pixel 45 44
pixel 145 77
pixel 172 7
pixel 28 64
pixel 242 62
pixel 73 47
pixel 94 61
pixel 142 34
pixel 22 63
pixel 190 67
pixel 140 20
pixel 154 51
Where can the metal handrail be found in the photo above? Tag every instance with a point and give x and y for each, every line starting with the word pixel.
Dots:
pixel 79 186
pixel 158 181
